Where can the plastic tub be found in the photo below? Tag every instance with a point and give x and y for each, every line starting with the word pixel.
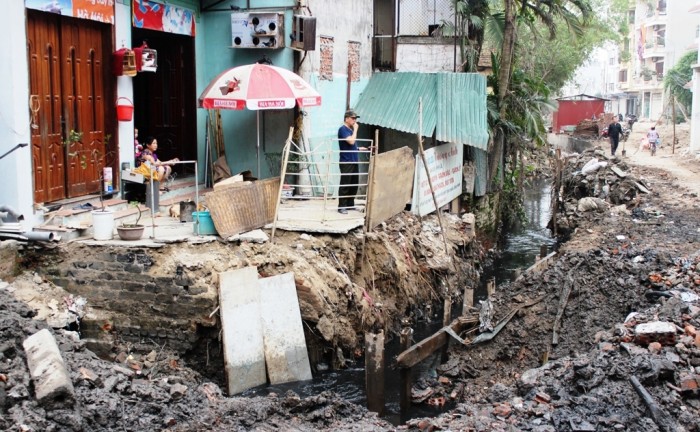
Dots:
pixel 204 222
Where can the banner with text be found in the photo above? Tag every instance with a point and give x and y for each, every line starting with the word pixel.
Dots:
pixel 163 17
pixel 95 10
pixel 445 167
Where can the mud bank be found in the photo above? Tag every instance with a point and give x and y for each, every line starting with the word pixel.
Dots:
pixel 151 316
pixel 630 270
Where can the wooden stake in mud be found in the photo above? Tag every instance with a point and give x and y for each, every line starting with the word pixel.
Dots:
pixel 491 287
pixel 405 397
pixel 374 371
pixel 446 319
pixel 468 301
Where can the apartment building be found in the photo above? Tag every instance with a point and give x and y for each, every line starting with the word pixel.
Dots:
pixel 659 33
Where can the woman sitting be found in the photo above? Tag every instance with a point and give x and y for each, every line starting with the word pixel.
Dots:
pixel 149 159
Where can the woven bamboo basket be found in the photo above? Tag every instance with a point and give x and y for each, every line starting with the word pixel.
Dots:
pixel 243 207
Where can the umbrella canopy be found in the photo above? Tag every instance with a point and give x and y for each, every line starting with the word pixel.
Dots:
pixel 258 87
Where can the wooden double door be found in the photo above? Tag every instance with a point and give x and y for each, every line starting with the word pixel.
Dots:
pixel 69 104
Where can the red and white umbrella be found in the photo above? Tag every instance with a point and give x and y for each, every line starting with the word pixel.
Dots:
pixel 258 87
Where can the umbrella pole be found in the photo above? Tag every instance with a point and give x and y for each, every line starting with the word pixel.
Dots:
pixel 257 123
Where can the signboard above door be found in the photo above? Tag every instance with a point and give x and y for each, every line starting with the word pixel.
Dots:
pixel 167 18
pixel 95 10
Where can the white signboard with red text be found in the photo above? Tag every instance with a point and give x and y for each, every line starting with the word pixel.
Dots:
pixel 445 167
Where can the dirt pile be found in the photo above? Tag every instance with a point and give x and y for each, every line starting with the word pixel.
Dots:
pixel 150 391
pixel 621 302
pixel 346 285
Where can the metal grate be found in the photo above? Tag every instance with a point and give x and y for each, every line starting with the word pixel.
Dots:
pixel 421 17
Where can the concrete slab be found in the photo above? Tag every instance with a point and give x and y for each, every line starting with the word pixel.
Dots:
pixel 285 346
pixel 255 236
pixel 52 383
pixel 244 356
pixel 158 231
pixel 316 215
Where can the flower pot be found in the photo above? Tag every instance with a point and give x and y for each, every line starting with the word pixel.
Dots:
pixel 134 232
pixel 102 224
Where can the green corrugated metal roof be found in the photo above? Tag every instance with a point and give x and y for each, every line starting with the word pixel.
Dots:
pixel 391 100
pixel 453 103
pixel 461 109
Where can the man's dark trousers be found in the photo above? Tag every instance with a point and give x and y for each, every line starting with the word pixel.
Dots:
pixel 348 184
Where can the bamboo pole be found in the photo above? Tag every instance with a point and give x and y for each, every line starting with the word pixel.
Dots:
pixel 283 173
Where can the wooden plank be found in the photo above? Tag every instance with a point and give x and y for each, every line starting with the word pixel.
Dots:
pixel 426 347
pixel 392 183
pixel 244 357
pixel 283 332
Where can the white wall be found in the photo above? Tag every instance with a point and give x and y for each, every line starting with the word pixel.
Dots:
pixel 16 188
pixel 421 57
pixel 125 86
pixel 695 118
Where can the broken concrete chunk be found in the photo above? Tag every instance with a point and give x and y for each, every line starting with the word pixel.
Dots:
pixel 177 391
pixel 657 331
pixel 123 370
pixel 52 382
pixel 90 376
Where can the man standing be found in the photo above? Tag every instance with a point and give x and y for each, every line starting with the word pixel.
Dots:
pixel 614 132
pixel 349 158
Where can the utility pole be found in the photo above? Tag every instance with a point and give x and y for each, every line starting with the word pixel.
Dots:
pixel 673 118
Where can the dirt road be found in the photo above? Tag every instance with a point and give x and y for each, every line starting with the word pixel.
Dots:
pixel 684 167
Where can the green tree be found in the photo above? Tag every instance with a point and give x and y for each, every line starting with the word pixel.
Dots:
pixel 676 79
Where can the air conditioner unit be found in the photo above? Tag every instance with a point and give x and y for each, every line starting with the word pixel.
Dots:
pixel 304 33
pixel 257 30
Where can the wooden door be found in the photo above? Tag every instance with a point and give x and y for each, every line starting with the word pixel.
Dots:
pixel 66 70
pixel 48 154
pixel 165 101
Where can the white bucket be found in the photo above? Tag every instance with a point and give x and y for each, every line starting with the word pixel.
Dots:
pixel 102 224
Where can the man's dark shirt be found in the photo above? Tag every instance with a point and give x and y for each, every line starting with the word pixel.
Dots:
pixel 614 130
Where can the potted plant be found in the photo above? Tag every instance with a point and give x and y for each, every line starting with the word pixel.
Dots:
pixel 131 231
pixel 102 218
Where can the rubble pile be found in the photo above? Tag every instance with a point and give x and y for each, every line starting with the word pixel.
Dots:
pixel 154 391
pixel 587 127
pixel 595 182
pixel 623 299
pixel 586 384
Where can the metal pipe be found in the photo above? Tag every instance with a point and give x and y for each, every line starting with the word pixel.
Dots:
pixel 29 236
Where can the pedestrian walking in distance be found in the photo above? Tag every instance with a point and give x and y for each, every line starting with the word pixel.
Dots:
pixel 614 132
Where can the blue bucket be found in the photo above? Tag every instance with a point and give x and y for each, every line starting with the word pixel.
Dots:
pixel 205 223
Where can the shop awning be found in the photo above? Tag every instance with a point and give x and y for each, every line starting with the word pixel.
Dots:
pixel 454 105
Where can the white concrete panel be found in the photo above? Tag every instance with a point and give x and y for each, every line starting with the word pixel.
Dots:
pixel 239 302
pixel 285 346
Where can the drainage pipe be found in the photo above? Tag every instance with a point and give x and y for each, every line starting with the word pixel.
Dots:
pixel 6 210
pixel 29 236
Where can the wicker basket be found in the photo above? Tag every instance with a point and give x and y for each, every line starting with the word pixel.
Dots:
pixel 244 206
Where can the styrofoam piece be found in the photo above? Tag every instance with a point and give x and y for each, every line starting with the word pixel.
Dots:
pixel 285 346
pixel 244 356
